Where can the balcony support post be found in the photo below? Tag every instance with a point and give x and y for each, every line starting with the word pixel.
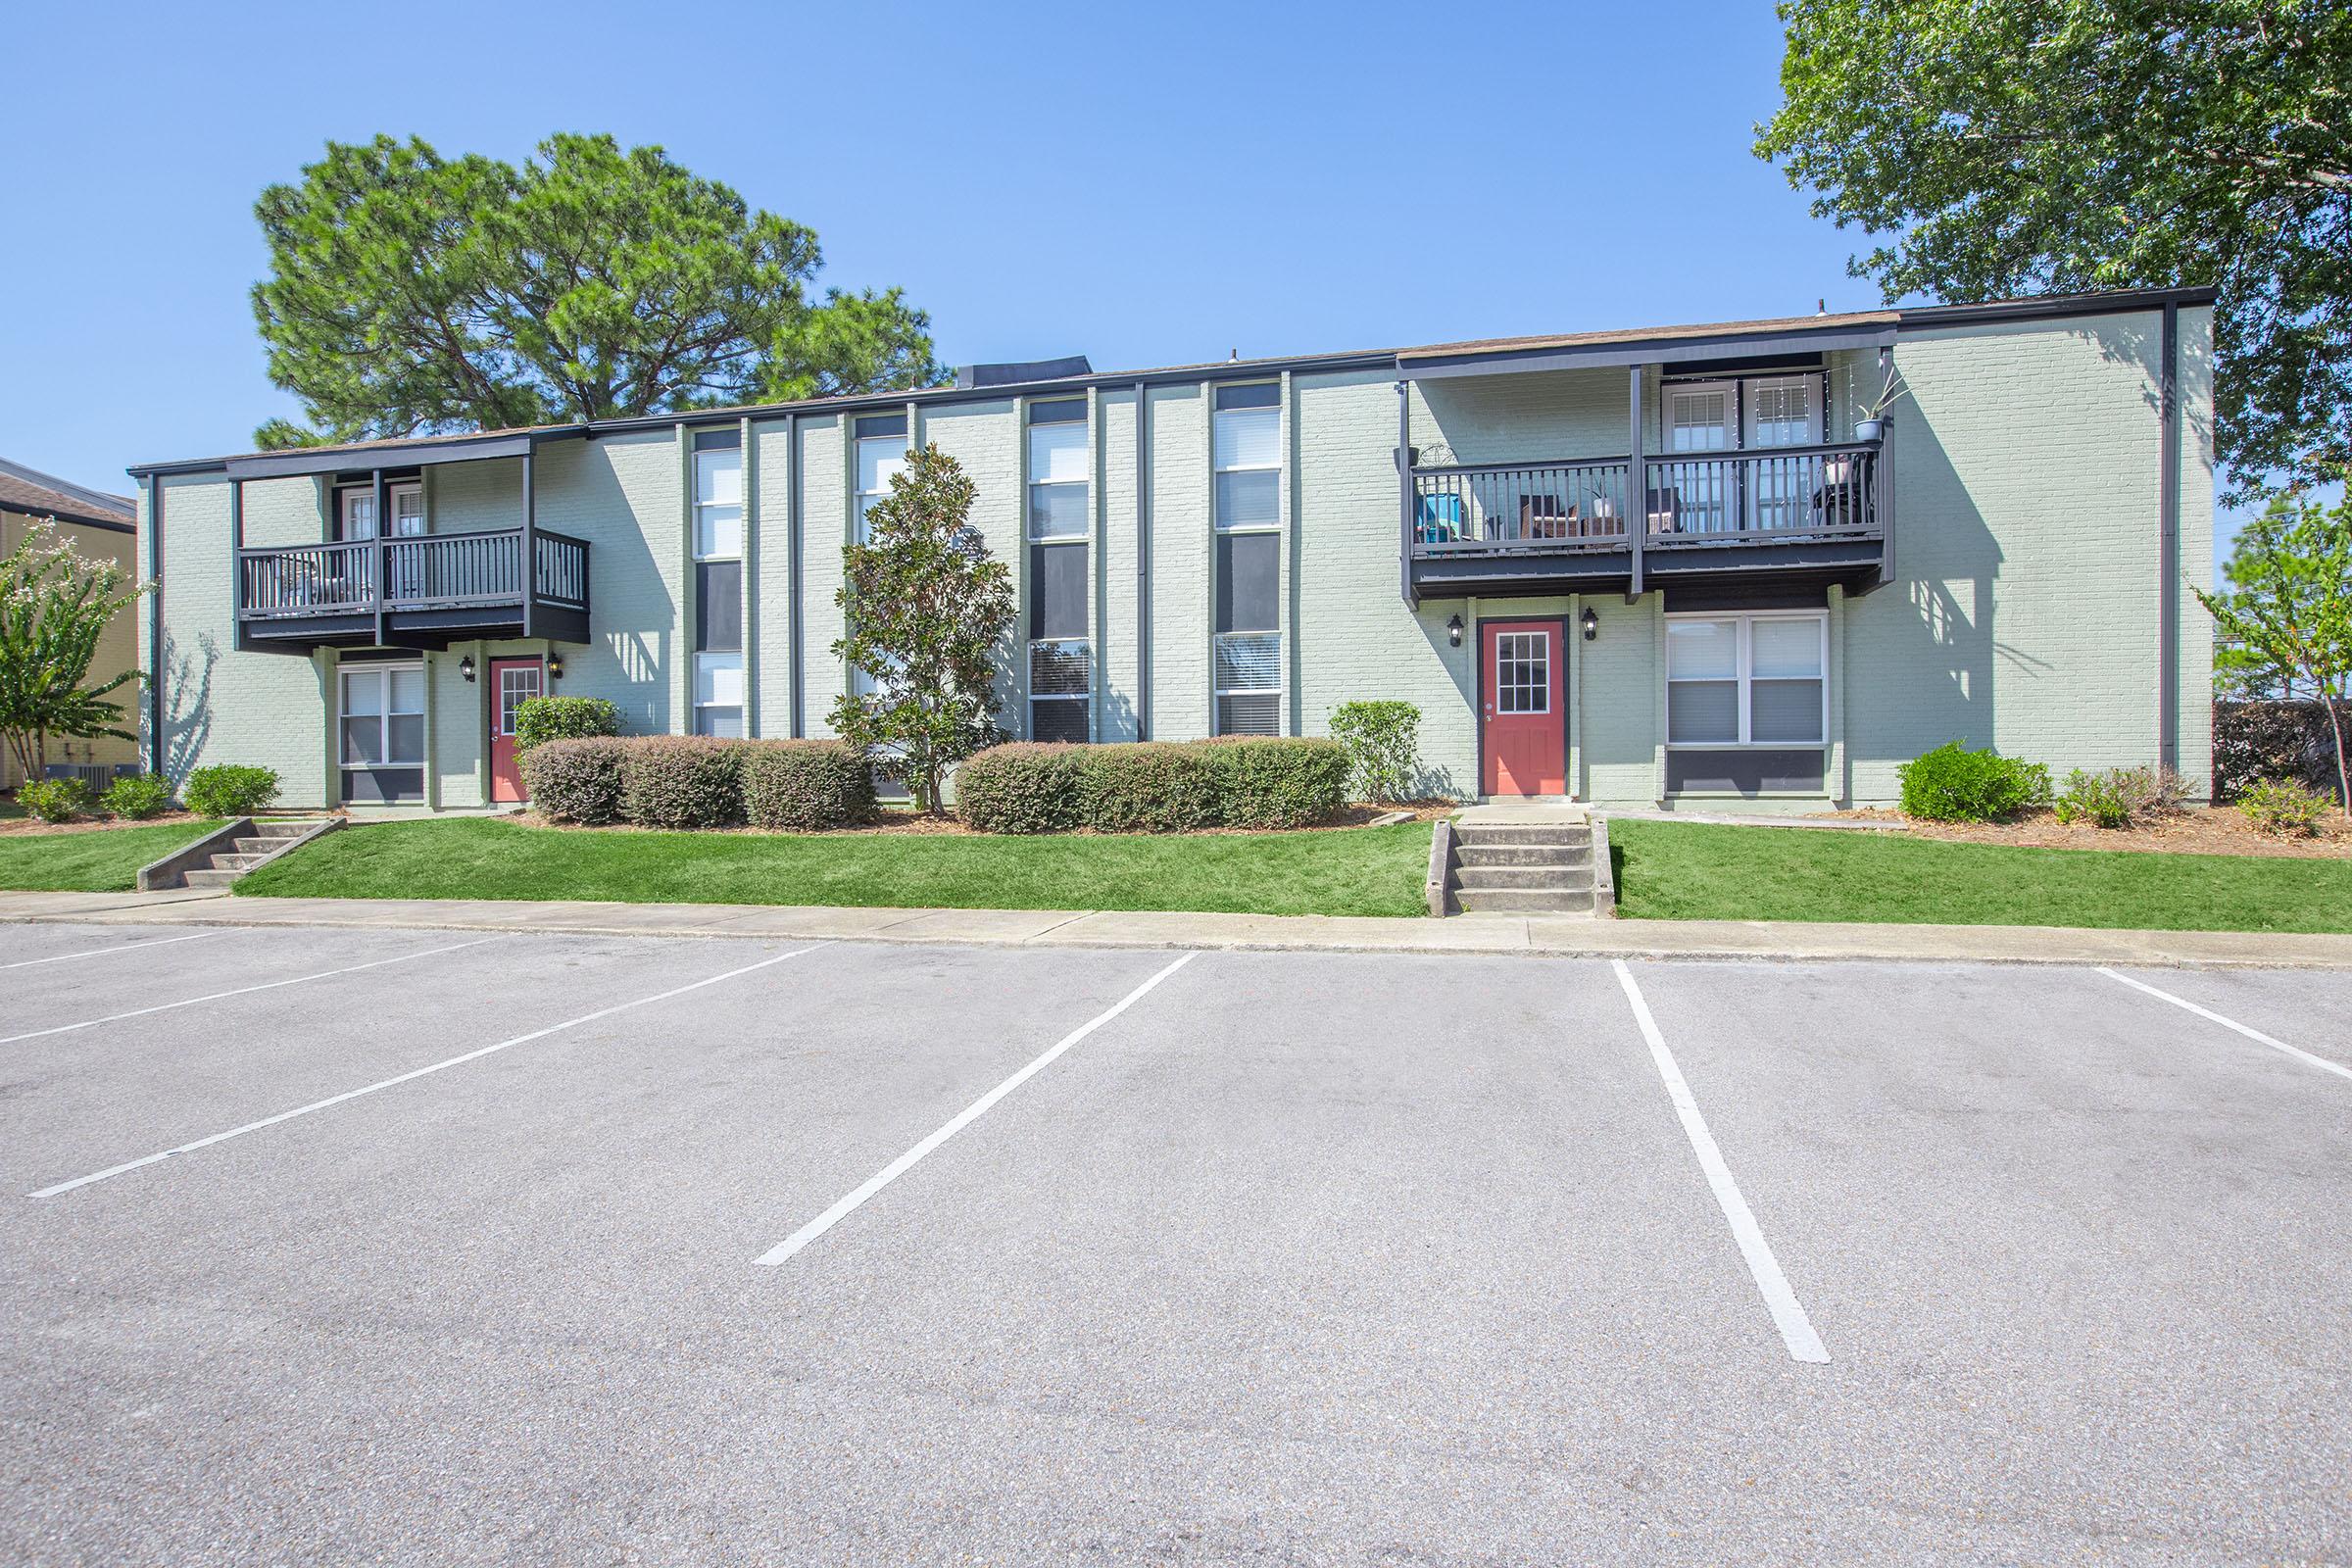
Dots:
pixel 1636 485
pixel 382 567
pixel 530 550
pixel 1404 494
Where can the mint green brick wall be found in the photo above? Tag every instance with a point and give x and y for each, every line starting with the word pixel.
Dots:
pixel 471 497
pixel 1517 418
pixel 1116 677
pixel 277 511
pixel 824 479
pixel 2195 391
pixel 1180 564
pixel 769 629
pixel 985 439
pixel 220 706
pixel 2025 615
pixel 623 494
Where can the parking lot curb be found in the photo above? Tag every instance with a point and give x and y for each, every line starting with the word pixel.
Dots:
pixel 1490 935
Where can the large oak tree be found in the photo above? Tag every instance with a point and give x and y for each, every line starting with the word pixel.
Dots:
pixel 412 293
pixel 2007 147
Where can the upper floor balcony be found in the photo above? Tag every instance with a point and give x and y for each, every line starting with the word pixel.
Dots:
pixel 422 591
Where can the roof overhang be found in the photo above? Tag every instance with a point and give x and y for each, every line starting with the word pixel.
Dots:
pixel 391 454
pixel 1649 350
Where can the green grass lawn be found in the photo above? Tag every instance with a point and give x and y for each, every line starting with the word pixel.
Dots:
pixel 1690 872
pixel 106 861
pixel 1353 871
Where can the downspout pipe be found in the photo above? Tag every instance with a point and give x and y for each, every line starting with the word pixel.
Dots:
pixel 2168 551
pixel 1143 563
pixel 155 625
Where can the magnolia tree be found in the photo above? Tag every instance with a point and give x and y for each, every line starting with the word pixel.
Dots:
pixel 926 607
pixel 2288 605
pixel 54 606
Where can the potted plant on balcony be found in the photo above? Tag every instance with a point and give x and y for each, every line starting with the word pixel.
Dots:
pixel 1870 412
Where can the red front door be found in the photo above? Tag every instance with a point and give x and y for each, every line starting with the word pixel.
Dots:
pixel 512 681
pixel 1523 695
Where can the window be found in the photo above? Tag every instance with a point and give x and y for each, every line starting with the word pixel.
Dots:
pixel 1058 476
pixel 718 694
pixel 1061 652
pixel 381 732
pixel 1245 453
pixel 1754 679
pixel 718 583
pixel 1522 673
pixel 355 511
pixel 881 455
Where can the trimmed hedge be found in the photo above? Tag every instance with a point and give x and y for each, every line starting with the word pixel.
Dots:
pixel 1020 787
pixel 1954 784
pixel 228 789
pixel 576 780
pixel 805 784
pixel 540 719
pixel 682 781
pixel 1242 781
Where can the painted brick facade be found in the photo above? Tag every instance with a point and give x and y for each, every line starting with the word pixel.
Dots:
pixel 2024 613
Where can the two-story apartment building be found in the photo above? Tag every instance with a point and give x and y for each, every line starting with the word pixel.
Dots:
pixel 1661 567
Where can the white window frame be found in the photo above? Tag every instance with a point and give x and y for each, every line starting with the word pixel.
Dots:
pixel 1084 425
pixel 1543 640
pixel 1215 468
pixel 703 508
pixel 860 499
pixel 1743 672
pixel 717 660
pixel 1216 724
pixel 1084 698
pixel 383 716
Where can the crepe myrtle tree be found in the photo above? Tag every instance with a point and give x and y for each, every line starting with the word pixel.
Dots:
pixel 2288 604
pixel 926 607
pixel 55 604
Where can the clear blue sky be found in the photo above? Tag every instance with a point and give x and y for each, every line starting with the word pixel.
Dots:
pixel 1144 185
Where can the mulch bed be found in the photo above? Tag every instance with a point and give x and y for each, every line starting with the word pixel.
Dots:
pixel 2216 830
pixel 34 826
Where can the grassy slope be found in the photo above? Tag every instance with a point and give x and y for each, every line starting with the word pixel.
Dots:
pixel 107 861
pixel 1358 872
pixel 1689 871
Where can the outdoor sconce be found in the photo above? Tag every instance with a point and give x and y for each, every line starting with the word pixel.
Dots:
pixel 465 667
pixel 1453 630
pixel 555 667
pixel 1591 624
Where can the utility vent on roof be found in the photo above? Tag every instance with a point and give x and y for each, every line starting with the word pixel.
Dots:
pixel 975 375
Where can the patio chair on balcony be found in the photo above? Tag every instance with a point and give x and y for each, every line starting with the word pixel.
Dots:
pixel 1545 518
pixel 1666 510
pixel 1439 520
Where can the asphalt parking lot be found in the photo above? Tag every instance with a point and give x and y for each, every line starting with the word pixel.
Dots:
pixel 344 1246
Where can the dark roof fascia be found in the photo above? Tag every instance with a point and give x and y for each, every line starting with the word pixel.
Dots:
pixel 407 454
pixel 1651 350
pixel 336 459
pixel 71 519
pixel 2054 307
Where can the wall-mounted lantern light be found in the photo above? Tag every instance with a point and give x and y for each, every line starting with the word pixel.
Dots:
pixel 1591 624
pixel 555 667
pixel 466 666
pixel 1453 630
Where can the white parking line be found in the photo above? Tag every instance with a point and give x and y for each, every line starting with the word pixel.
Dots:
pixel 2300 1055
pixel 970 1113
pixel 100 953
pixel 412 1075
pixel 1787 1313
pixel 241 990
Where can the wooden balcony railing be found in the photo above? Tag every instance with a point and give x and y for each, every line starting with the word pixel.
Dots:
pixel 424 572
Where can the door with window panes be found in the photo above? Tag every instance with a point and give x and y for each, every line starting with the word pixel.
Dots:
pixel 1523 711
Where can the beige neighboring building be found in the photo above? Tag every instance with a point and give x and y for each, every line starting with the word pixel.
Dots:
pixel 104 528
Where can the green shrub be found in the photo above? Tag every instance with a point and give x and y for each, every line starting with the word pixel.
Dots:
pixel 226 789
pixel 2283 806
pixel 1383 744
pixel 138 796
pixel 539 720
pixel 2118 797
pixel 2274 740
pixel 55 799
pixel 681 781
pixel 805 784
pixel 1270 782
pixel 575 780
pixel 1020 787
pixel 1148 788
pixel 1954 784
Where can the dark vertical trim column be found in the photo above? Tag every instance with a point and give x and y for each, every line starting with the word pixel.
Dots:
pixel 792 565
pixel 530 550
pixel 236 565
pixel 155 623
pixel 1142 561
pixel 2168 551
pixel 383 575
pixel 1404 494
pixel 1637 486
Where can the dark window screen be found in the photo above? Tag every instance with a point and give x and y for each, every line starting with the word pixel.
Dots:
pixel 1056 590
pixel 1744 772
pixel 1248 581
pixel 719 606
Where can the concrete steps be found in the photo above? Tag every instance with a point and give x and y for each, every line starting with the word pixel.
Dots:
pixel 254 844
pixel 1538 866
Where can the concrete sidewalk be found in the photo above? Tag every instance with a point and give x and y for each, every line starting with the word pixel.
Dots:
pixel 1534 935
